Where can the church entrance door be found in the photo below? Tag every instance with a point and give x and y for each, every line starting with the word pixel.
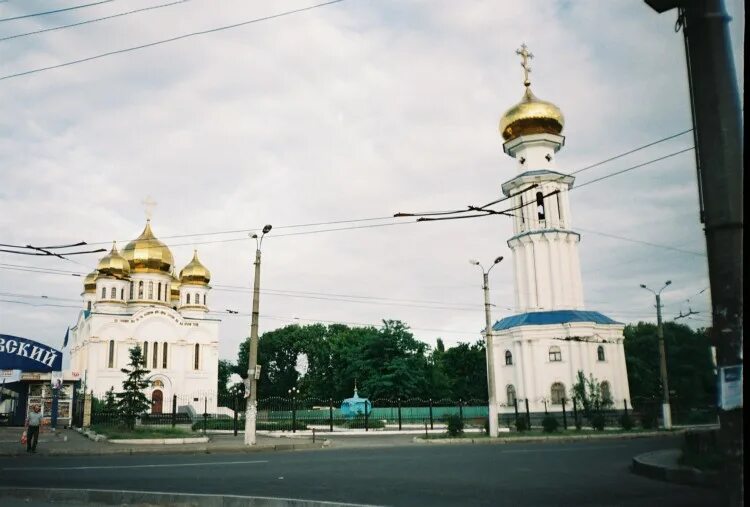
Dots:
pixel 156 401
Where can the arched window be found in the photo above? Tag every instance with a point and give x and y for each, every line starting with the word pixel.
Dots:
pixel 197 298
pixel 600 353
pixel 540 205
pixel 151 290
pixel 158 291
pixel 145 354
pixel 557 393
pixel 111 358
pixel 555 354
pixel 510 391
pixel 521 208
pixel 113 293
pixel 122 294
pixel 204 299
pixel 187 302
pixel 88 306
pixel 131 290
pixel 140 289
pixel 197 362
pixel 155 360
pixel 606 392
pixel 164 353
pixel 508 358
pixel 104 293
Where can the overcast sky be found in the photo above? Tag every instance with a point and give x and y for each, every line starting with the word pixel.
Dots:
pixel 355 110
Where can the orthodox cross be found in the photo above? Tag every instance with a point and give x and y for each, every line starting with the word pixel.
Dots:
pixel 148 205
pixel 525 57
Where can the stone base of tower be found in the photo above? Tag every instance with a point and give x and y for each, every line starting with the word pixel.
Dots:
pixel 537 356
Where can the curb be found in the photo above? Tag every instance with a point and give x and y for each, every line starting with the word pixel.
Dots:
pixel 644 465
pixel 157 441
pixel 567 438
pixel 121 497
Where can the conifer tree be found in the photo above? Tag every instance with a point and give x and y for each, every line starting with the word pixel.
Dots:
pixel 131 402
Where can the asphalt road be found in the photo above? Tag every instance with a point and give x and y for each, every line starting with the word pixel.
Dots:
pixel 538 474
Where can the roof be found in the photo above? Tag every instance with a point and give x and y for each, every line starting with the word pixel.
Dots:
pixel 551 317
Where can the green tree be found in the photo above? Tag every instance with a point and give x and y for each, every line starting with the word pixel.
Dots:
pixel 226 368
pixel 110 401
pixel 465 366
pixel 588 394
pixel 131 402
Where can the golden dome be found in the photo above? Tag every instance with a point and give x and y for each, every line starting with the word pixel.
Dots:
pixel 195 272
pixel 113 264
pixel 531 116
pixel 146 254
pixel 174 289
pixel 89 283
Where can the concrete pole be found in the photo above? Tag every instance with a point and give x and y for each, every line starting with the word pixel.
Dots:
pixel 251 412
pixel 665 408
pixel 490 359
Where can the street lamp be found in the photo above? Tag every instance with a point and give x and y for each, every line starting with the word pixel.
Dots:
pixel 490 351
pixel 665 408
pixel 293 392
pixel 253 370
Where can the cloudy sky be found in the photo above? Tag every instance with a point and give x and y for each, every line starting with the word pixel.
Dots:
pixel 351 111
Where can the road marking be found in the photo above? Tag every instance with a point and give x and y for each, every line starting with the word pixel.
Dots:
pixel 575 449
pixel 162 465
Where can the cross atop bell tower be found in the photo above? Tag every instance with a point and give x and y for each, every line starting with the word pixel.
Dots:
pixel 523 52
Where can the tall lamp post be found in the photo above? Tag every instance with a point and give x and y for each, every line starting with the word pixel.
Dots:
pixel 665 409
pixel 489 349
pixel 253 370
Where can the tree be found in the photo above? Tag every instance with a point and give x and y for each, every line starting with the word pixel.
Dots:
pixel 226 368
pixel 465 367
pixel 110 402
pixel 588 394
pixel 131 402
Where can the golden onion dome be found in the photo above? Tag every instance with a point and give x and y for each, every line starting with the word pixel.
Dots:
pixel 146 254
pixel 89 283
pixel 531 116
pixel 113 264
pixel 195 273
pixel 174 289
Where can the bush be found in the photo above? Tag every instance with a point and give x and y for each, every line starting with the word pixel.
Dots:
pixel 228 424
pixel 626 422
pixel 521 424
pixel 359 423
pixel 455 425
pixel 597 421
pixel 550 423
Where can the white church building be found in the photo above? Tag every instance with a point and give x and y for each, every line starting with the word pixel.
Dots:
pixel 538 352
pixel 135 298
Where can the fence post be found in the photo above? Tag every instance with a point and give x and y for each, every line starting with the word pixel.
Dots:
pixel 545 407
pixel 528 415
pixel 625 402
pixel 330 414
pixel 235 415
pixel 460 410
pixel 431 420
pixel 575 413
pixel 174 410
pixel 515 408
pixel 399 413
pixel 367 418
pixel 565 418
pixel 294 414
pixel 205 413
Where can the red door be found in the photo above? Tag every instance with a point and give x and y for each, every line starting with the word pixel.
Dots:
pixel 156 401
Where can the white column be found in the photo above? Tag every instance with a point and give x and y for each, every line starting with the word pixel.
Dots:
pixel 531 298
pixel 531 368
pixel 520 376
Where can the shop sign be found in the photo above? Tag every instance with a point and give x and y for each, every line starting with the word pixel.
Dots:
pixel 18 353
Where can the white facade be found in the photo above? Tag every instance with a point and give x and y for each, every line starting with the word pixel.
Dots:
pixel 132 306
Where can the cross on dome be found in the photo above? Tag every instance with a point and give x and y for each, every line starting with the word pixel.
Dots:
pixel 523 52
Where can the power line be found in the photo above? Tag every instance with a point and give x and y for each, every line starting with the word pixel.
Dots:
pixel 56 11
pixel 127 13
pixel 171 39
pixel 657 245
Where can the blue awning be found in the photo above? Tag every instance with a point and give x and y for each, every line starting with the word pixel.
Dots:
pixel 552 317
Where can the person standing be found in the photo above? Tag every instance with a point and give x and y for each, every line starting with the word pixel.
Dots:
pixel 33 421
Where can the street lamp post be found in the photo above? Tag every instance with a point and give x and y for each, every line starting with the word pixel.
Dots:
pixel 293 392
pixel 489 348
pixel 665 408
pixel 251 412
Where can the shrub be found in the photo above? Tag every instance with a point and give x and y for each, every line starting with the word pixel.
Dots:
pixel 550 423
pixel 597 421
pixel 626 422
pixel 359 423
pixel 521 424
pixel 455 425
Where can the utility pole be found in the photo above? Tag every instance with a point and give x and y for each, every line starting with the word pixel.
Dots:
pixel 253 370
pixel 718 135
pixel 666 410
pixel 490 351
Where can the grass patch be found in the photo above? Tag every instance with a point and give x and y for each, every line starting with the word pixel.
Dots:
pixel 228 424
pixel 122 432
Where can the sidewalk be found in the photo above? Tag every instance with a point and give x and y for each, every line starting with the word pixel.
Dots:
pixel 664 465
pixel 68 442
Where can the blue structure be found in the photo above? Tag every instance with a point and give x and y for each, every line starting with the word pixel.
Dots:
pixel 355 406
pixel 551 317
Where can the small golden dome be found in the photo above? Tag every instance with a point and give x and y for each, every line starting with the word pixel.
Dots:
pixel 174 289
pixel 146 254
pixel 531 116
pixel 195 272
pixel 113 264
pixel 89 283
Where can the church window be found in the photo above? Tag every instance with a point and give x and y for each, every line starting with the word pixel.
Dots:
pixel 131 290
pixel 88 306
pixel 104 293
pixel 197 298
pixel 555 354
pixel 196 362
pixel 540 205
pixel 204 299
pixel 600 353
pixel 140 289
pixel 122 294
pixel 158 291
pixel 188 299
pixel 151 290
pixel 155 360
pixel 111 358
pixel 508 358
pixel 164 353
pixel 113 293
pixel 145 354
pixel 520 209
pixel 559 208
pixel 510 391
pixel 606 392
pixel 557 393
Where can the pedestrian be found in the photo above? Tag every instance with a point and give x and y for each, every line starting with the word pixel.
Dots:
pixel 33 421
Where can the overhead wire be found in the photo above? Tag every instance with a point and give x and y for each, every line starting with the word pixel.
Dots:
pixel 75 7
